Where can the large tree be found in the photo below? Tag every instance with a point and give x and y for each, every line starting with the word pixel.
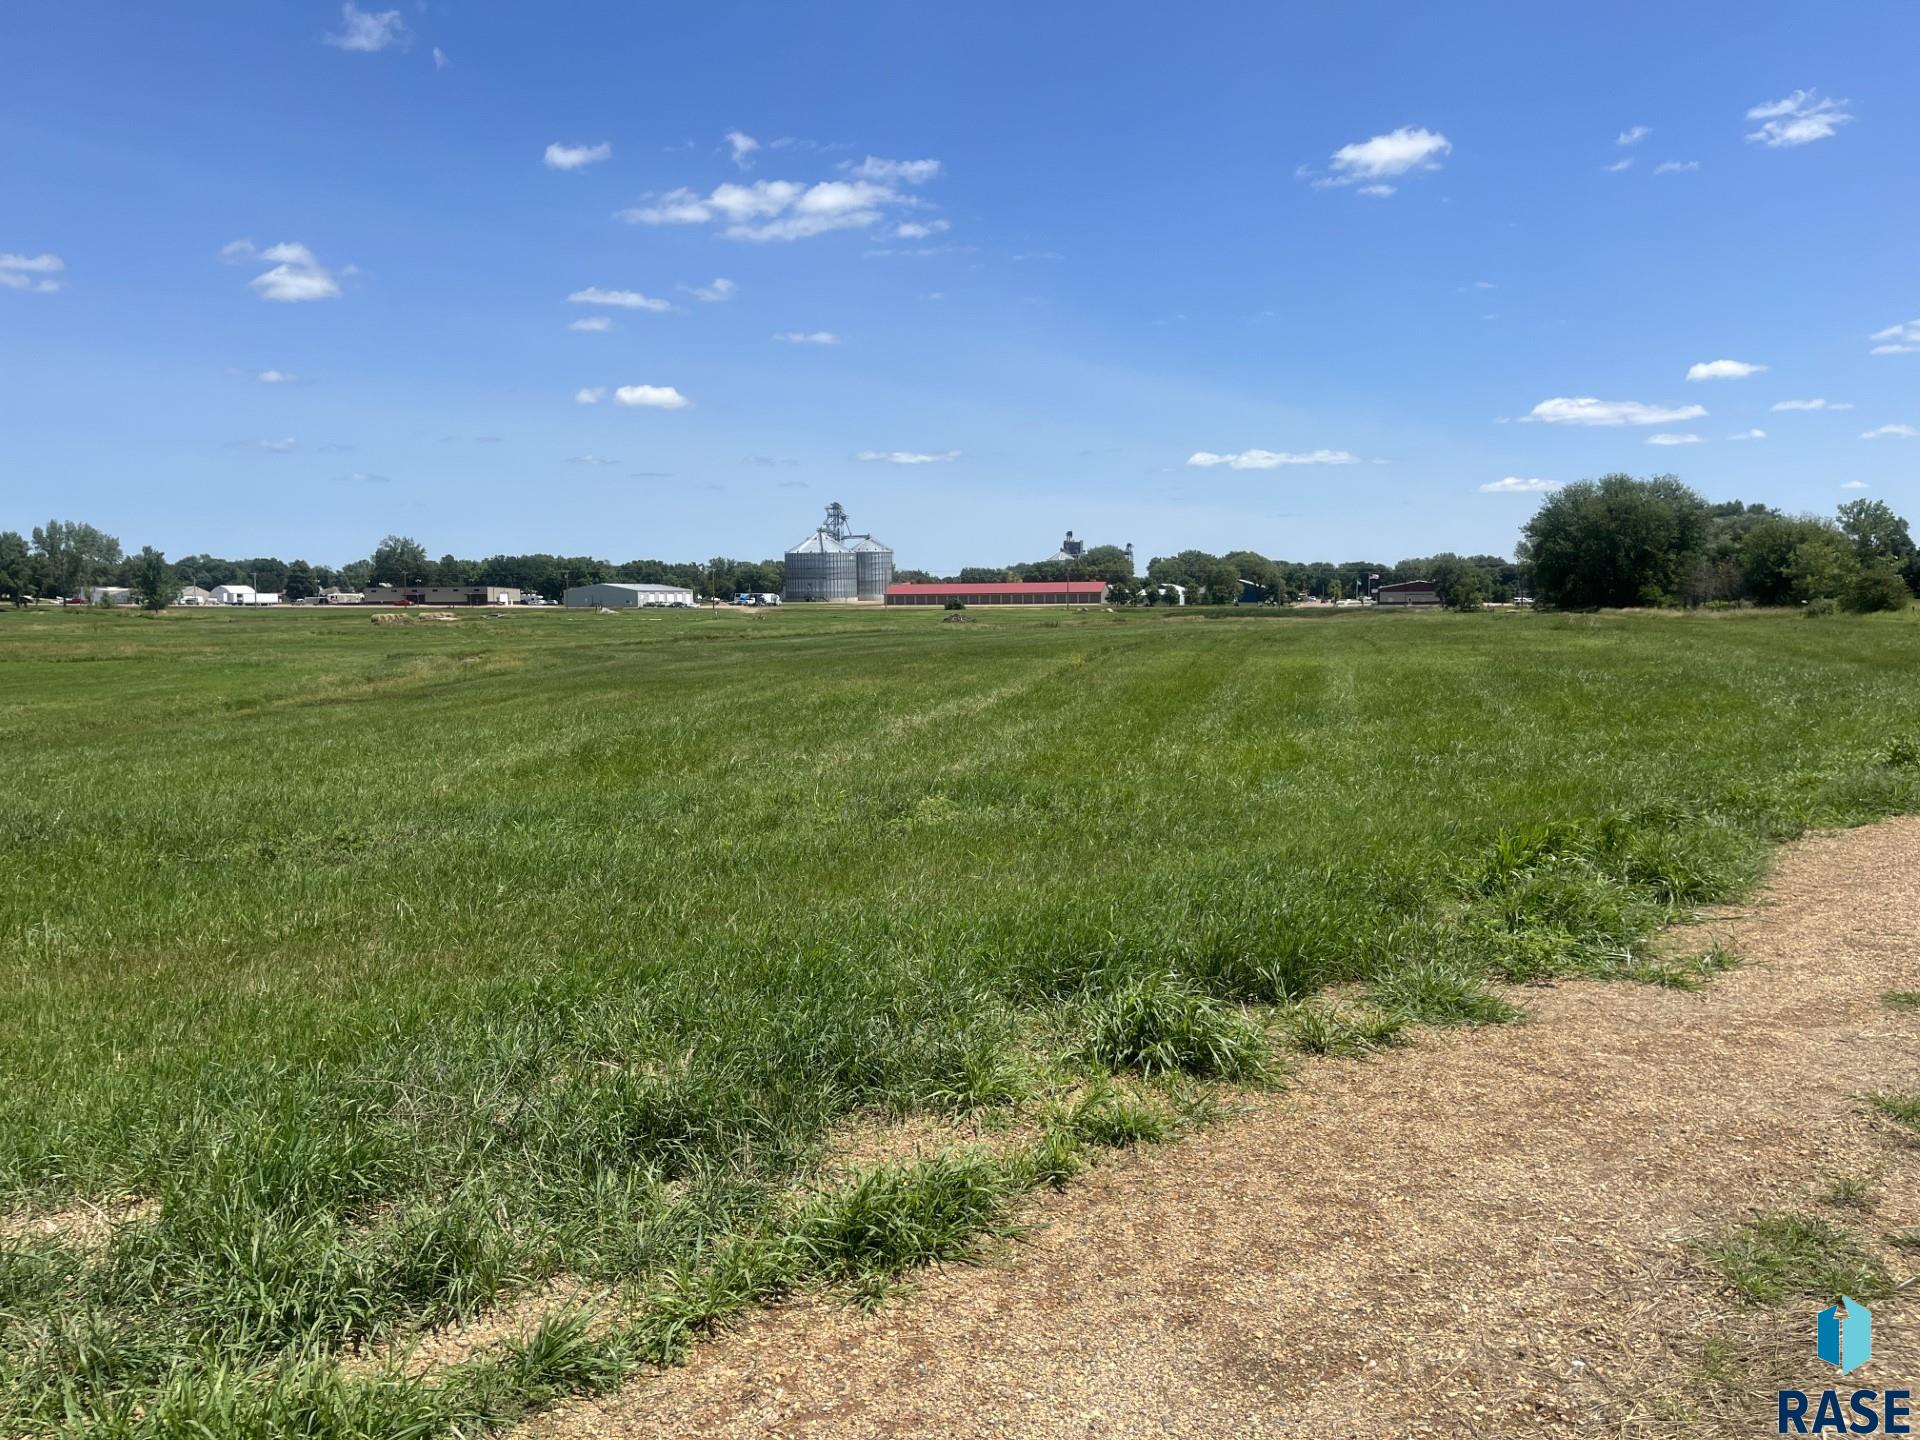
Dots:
pixel 1615 541
pixel 1879 534
pixel 301 583
pixel 1875 532
pixel 1788 558
pixel 400 560
pixel 153 581
pixel 74 554
pixel 16 568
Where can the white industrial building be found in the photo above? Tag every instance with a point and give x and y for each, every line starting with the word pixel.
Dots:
pixel 621 596
pixel 235 595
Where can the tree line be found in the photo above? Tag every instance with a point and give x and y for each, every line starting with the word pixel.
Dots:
pixel 1621 541
pixel 1614 541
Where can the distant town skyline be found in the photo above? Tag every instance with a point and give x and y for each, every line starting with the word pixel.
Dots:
pixel 602 281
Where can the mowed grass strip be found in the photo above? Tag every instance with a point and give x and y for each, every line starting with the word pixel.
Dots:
pixel 400 969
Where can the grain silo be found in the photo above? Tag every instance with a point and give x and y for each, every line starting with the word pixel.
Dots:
pixel 820 568
pixel 872 567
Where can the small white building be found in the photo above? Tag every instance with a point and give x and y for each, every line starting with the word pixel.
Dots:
pixel 621 596
pixel 108 595
pixel 235 595
pixel 194 595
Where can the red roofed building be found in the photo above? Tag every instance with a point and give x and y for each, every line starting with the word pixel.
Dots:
pixel 1008 592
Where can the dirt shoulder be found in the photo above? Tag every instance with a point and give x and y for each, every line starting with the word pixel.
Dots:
pixel 1486 1233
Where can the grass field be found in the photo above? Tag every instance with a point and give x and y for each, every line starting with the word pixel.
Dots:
pixel 384 973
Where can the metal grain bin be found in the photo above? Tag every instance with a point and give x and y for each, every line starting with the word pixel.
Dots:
pixel 872 568
pixel 820 568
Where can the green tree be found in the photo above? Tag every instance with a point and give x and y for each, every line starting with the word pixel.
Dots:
pixel 16 567
pixel 1824 567
pixel 1769 559
pixel 1105 562
pixel 301 583
pixel 152 580
pixel 1462 585
pixel 1615 541
pixel 1257 569
pixel 1878 585
pixel 400 560
pixel 74 554
pixel 1875 532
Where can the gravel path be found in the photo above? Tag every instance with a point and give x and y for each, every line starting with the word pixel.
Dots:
pixel 1481 1234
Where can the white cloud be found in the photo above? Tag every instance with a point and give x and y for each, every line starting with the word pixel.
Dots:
pixel 1399 152
pixel 1855 485
pixel 908 457
pixel 1633 136
pixel 440 60
pixel 1617 166
pixel 743 146
pixel 622 299
pixel 774 209
pixel 1518 485
pixel 1666 439
pixel 1723 370
pixel 1891 432
pixel 17 272
pixel 297 273
pixel 1749 435
pixel 1676 167
pixel 1897 339
pixel 367 31
pixel 577 157
pixel 276 377
pixel 1780 405
pixel 1271 459
pixel 651 397
pixel 597 323
pixel 808 337
pixel 277 447
pixel 589 395
pixel 919 230
pixel 1585 410
pixel 908 172
pixel 1377 191
pixel 592 460
pixel 721 289
pixel 1800 119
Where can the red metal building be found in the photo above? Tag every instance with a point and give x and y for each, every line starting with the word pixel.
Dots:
pixel 1018 592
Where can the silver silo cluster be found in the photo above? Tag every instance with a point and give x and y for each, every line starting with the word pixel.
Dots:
pixel 831 564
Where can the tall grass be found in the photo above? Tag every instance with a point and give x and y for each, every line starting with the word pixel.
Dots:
pixel 401 970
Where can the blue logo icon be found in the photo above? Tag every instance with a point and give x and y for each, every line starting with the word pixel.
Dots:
pixel 1846 1334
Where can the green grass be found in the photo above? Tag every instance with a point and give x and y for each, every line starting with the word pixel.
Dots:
pixel 1902 999
pixel 401 969
pixel 1901 1108
pixel 1786 1256
pixel 1848 1192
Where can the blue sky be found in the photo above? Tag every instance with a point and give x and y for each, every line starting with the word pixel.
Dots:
pixel 1212 276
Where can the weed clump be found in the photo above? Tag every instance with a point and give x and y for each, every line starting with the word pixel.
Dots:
pixel 1159 1024
pixel 1429 992
pixel 1902 1109
pixel 1787 1256
pixel 1322 1030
